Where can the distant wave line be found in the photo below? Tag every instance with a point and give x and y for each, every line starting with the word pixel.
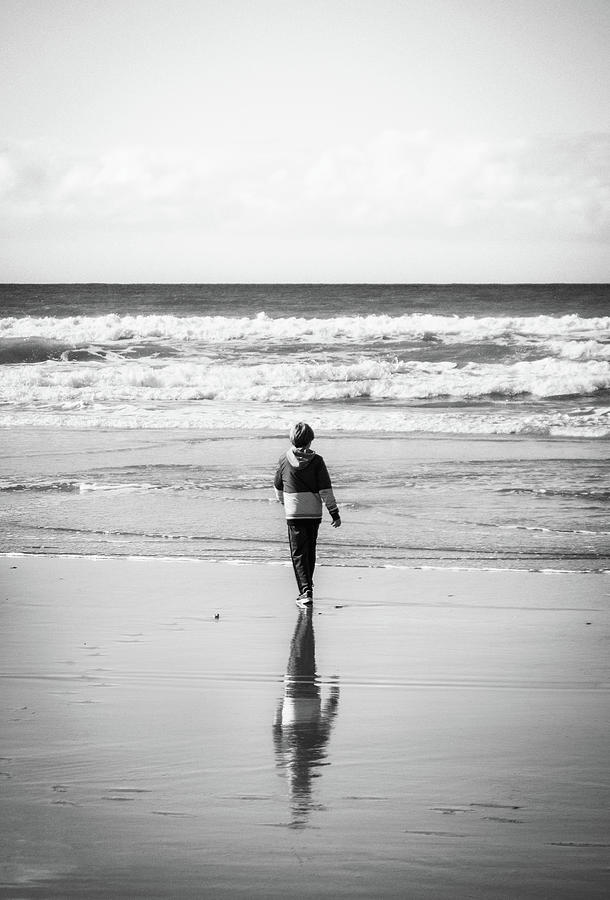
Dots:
pixel 339 329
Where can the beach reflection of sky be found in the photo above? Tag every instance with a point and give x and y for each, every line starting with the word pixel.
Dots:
pixel 302 724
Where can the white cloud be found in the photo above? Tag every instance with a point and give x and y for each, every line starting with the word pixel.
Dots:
pixel 398 184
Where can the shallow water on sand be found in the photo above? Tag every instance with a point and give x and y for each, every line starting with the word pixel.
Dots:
pixel 405 500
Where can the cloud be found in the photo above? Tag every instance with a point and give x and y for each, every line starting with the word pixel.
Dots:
pixel 419 184
pixel 397 184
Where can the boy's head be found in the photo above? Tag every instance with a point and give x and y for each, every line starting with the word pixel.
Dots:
pixel 301 435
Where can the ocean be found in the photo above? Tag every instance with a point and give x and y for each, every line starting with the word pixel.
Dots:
pixel 463 425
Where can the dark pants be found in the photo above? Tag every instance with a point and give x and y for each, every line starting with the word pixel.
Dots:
pixel 302 537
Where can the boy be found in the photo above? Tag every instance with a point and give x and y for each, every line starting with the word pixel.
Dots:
pixel 301 484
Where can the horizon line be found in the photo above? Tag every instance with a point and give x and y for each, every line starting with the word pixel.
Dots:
pixel 304 283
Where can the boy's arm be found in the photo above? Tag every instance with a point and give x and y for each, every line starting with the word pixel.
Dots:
pixel 278 484
pixel 326 493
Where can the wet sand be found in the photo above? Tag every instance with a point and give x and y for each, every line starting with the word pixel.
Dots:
pixel 422 734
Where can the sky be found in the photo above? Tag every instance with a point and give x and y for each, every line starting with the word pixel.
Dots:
pixel 318 141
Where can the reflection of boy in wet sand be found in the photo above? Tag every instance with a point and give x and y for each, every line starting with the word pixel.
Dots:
pixel 302 725
pixel 302 484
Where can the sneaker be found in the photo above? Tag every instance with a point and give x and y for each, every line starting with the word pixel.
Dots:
pixel 305 599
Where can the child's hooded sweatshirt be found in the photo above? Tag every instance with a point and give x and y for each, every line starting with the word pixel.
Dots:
pixel 302 483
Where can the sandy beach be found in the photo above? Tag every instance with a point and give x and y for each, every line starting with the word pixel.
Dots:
pixel 235 233
pixel 438 734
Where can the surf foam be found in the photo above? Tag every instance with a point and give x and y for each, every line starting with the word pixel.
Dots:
pixel 87 383
pixel 335 330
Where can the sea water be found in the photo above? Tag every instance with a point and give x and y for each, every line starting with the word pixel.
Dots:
pixel 463 425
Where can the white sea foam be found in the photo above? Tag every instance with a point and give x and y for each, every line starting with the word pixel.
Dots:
pixel 339 329
pixel 579 350
pixel 85 383
pixel 92 371
pixel 278 418
pixel 542 529
pixel 85 487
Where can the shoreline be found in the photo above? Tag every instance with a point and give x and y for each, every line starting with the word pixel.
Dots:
pixel 350 564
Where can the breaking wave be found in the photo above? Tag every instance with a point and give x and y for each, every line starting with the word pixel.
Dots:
pixel 336 330
pixel 19 350
pixel 353 373
pixel 368 379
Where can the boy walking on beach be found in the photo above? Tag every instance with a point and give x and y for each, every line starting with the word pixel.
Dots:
pixel 302 484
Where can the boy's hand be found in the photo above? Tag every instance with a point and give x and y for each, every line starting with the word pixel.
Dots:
pixel 337 522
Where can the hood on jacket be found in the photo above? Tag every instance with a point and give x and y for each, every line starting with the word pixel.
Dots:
pixel 299 458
